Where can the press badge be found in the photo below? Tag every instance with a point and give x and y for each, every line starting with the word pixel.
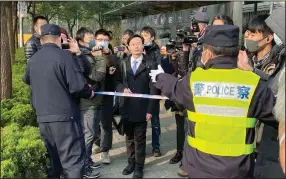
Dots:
pixel 221 90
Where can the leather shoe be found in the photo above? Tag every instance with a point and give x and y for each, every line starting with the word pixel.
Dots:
pixel 177 158
pixel 182 173
pixel 129 169
pixel 138 173
pixel 156 152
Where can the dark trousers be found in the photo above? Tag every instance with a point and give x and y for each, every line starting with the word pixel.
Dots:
pixel 180 122
pixel 90 124
pixel 65 144
pixel 136 142
pixel 106 124
pixel 267 163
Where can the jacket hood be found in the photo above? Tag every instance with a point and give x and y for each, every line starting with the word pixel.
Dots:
pixel 276 22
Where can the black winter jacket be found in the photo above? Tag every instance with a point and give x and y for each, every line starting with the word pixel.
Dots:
pixel 153 52
pixel 32 46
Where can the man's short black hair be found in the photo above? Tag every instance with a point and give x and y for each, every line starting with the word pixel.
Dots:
pixel 128 32
pixel 102 32
pixel 81 32
pixel 149 30
pixel 134 36
pixel 223 51
pixel 226 19
pixel 257 24
pixel 35 20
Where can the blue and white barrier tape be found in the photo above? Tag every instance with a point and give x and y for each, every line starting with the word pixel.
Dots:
pixel 132 95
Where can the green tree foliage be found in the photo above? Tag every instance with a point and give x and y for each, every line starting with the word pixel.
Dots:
pixel 49 9
pixel 96 10
pixel 70 12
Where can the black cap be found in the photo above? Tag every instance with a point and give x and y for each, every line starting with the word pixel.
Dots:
pixel 222 35
pixel 50 29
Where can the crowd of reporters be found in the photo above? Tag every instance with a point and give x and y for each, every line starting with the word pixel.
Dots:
pixel 102 67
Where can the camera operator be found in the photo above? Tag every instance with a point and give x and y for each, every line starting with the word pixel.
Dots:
pixel 122 50
pixel 190 58
pixel 90 108
pixel 102 39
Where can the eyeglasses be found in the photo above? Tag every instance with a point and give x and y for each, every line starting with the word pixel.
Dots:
pixel 104 40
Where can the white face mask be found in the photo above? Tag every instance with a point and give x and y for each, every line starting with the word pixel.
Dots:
pixel 277 40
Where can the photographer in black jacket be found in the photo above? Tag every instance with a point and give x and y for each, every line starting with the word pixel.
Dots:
pixel 190 58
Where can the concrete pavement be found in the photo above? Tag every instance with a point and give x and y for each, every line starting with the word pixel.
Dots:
pixel 154 167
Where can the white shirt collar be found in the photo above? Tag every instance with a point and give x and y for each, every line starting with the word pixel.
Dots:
pixel 139 60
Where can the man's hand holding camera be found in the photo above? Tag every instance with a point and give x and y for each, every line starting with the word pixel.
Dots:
pixel 106 50
pixel 74 48
pixel 95 52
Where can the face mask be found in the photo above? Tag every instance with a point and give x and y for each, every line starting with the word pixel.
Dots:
pixel 252 45
pixel 277 40
pixel 148 44
pixel 245 46
pixel 103 44
pixel 91 44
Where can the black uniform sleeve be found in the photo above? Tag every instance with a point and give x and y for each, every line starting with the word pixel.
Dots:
pixel 26 77
pixel 262 103
pixel 177 90
pixel 75 79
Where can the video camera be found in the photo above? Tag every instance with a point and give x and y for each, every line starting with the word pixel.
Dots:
pixel 183 36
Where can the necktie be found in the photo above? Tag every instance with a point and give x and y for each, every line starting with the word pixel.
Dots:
pixel 134 67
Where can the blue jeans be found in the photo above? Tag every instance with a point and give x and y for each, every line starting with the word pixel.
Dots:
pixel 156 131
pixel 90 123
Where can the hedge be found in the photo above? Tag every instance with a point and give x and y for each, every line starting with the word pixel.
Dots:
pixel 23 154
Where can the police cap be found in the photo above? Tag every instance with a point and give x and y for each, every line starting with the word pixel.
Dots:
pixel 50 29
pixel 222 36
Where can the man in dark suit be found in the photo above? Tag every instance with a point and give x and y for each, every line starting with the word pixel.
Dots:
pixel 136 111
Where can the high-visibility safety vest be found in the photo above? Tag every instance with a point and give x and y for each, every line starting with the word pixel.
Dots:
pixel 221 99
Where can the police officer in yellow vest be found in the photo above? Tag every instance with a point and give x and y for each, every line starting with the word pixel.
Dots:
pixel 223 103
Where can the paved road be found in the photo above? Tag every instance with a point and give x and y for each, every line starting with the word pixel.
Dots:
pixel 154 167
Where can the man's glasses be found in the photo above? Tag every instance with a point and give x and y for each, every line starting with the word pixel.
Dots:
pixel 104 40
